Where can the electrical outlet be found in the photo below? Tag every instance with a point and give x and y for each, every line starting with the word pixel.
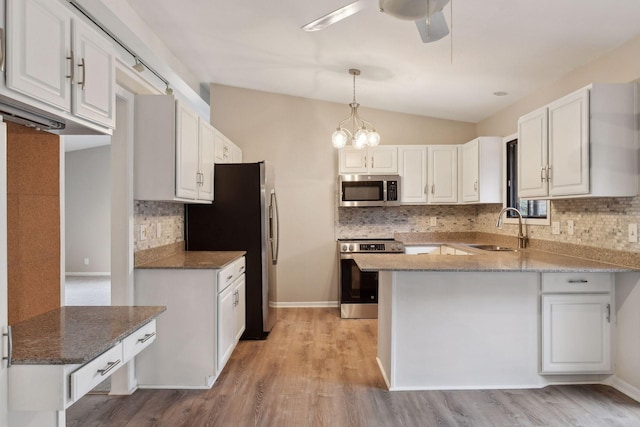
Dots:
pixel 144 232
pixel 555 227
pixel 433 221
pixel 570 229
pixel 633 233
pixel 86 261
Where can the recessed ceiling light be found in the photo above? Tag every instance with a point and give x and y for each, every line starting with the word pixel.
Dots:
pixel 501 93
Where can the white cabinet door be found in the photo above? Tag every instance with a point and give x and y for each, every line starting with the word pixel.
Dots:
pixel 412 165
pixel 226 325
pixel 569 145
pixel 240 307
pixel 206 157
pixel 94 85
pixel 576 333
pixel 351 160
pixel 224 152
pixel 383 160
pixel 443 174
pixel 38 46
pixel 532 154
pixel 186 152
pixel 236 154
pixel 470 171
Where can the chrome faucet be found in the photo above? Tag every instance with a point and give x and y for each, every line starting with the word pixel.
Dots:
pixel 522 239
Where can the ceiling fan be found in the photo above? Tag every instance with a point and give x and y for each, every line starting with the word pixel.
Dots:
pixel 427 15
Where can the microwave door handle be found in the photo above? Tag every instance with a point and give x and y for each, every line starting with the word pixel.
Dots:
pixel 384 191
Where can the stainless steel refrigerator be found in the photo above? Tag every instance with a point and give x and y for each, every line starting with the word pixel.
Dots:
pixel 243 216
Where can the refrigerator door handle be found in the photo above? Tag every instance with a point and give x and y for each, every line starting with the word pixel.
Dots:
pixel 273 214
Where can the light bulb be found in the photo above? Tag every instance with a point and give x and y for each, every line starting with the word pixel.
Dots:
pixel 339 138
pixel 373 139
pixel 360 138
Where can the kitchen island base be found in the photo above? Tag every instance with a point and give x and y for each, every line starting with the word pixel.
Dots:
pixel 462 330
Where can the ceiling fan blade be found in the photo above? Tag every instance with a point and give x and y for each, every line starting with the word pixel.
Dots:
pixel 333 17
pixel 434 30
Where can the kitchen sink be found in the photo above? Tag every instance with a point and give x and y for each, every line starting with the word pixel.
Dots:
pixel 494 248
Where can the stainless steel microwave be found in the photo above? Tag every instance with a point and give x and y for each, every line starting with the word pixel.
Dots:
pixel 369 190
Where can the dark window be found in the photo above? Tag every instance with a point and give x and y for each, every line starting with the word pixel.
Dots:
pixel 528 208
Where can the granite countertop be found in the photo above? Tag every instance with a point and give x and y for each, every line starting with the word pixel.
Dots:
pixel 526 260
pixel 194 260
pixel 76 335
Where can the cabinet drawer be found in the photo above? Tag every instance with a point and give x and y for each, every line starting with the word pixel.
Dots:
pixel 576 282
pixel 138 341
pixel 230 273
pixel 94 372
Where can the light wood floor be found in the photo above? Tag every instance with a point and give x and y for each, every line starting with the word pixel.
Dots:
pixel 318 370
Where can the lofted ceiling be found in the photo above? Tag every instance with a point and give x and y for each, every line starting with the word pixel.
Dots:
pixel 513 46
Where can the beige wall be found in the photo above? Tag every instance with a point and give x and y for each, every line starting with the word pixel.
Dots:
pixel 88 210
pixel 621 65
pixel 295 135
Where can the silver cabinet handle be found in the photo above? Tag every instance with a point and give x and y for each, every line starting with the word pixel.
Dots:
pixel 109 367
pixel 9 355
pixel 548 173
pixel 71 59
pixel 475 185
pixel 578 281
pixel 542 173
pixel 373 162
pixel 146 337
pixel 84 73
pixel 608 313
pixel 229 277
pixel 433 189
pixel 426 189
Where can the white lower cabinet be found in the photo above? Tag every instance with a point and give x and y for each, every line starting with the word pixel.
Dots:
pixel 231 319
pixel 577 312
pixel 198 328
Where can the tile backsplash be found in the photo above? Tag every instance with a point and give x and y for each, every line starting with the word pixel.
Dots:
pixel 384 221
pixel 598 222
pixel 170 217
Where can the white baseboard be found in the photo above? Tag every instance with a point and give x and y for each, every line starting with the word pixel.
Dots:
pixel 87 273
pixel 626 388
pixel 305 304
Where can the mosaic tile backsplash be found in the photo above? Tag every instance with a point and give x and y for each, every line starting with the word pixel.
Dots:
pixel 598 222
pixel 170 216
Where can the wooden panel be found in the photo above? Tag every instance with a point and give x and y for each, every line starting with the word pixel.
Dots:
pixel 33 220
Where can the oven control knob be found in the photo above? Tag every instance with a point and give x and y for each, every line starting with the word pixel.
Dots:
pixel 351 247
pixel 344 248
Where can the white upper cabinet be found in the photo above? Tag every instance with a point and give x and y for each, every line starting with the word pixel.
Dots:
pixel 532 154
pixel 39 51
pixel 173 151
pixel 375 160
pixel 569 145
pixel 225 150
pixel 412 167
pixel 443 174
pixel 93 90
pixel 58 60
pixel 580 145
pixel 187 172
pixel 480 174
pixel 206 156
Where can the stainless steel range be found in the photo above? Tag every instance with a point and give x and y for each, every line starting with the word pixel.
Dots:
pixel 359 289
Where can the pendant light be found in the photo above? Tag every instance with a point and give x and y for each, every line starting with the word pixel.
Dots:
pixel 362 132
